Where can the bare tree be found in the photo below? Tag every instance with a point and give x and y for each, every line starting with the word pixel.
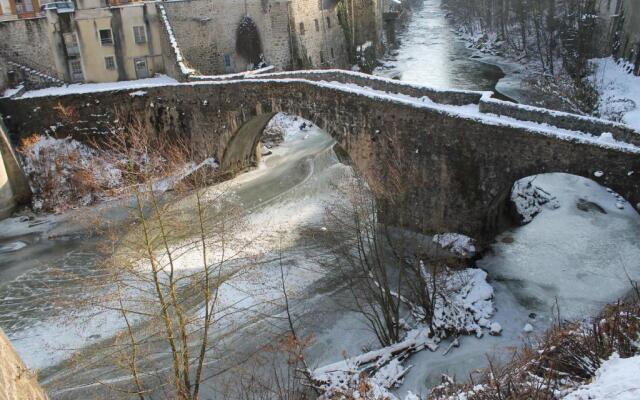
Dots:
pixel 163 275
pixel 360 250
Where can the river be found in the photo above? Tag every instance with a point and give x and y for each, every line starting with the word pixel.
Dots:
pixel 554 262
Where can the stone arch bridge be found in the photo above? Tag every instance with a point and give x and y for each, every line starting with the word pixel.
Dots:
pixel 454 155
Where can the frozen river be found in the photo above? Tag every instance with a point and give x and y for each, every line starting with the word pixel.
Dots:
pixel 572 259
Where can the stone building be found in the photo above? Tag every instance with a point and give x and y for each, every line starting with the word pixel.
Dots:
pixel 321 37
pixel 112 40
pixel 12 9
pixel 226 36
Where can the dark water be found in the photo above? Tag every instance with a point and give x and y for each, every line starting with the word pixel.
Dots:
pixel 430 53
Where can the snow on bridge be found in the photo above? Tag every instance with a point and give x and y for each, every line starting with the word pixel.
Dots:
pixel 458 152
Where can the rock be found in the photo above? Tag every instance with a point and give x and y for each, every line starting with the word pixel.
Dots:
pixel 495 329
pixel 586 206
pixel 533 315
pixel 528 328
pixel 264 151
pixel 454 343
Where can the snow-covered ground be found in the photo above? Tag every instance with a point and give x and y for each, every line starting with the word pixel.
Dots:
pixel 75 88
pixel 12 91
pixel 619 91
pixel 616 379
pixel 589 241
pixel 467 311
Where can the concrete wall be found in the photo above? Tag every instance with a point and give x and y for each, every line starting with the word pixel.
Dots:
pixel 206 31
pixel 16 381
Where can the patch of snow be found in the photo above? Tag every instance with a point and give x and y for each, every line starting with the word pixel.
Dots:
pixel 12 246
pixel 343 376
pixel 77 88
pixel 138 93
pixel 284 127
pixel 467 309
pixel 12 91
pixel 174 43
pixel 170 182
pixel 53 165
pixel 559 256
pixel 616 379
pixel 495 328
pixel 530 199
pixel 619 91
pixel 456 243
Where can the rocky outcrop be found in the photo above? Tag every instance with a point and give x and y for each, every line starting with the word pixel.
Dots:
pixel 16 381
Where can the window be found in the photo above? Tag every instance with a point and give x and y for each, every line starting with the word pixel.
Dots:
pixel 142 71
pixel 105 37
pixel 227 60
pixel 328 22
pixel 321 57
pixel 332 54
pixel 75 68
pixel 110 62
pixel 71 44
pixel 302 28
pixel 317 25
pixel 139 34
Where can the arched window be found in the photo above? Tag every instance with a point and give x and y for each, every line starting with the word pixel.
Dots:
pixel 248 44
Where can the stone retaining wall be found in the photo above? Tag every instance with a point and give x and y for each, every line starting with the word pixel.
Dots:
pixel 16 381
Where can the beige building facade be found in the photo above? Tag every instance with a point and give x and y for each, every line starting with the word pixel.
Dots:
pixel 108 44
pixel 114 40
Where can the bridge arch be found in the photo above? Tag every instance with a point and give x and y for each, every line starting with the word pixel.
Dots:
pixel 458 167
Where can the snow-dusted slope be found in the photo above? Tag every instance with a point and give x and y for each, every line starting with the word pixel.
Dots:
pixel 619 91
pixel 616 379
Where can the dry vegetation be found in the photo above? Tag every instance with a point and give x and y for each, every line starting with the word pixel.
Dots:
pixel 568 355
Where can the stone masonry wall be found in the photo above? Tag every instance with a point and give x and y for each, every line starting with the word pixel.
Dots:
pixel 319 38
pixel 454 168
pixel 206 31
pixel 26 41
pixel 4 68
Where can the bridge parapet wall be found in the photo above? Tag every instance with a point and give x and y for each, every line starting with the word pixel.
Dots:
pixel 442 96
pixel 574 122
pixel 458 169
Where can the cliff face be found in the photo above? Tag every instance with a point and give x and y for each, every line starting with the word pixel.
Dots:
pixel 16 381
